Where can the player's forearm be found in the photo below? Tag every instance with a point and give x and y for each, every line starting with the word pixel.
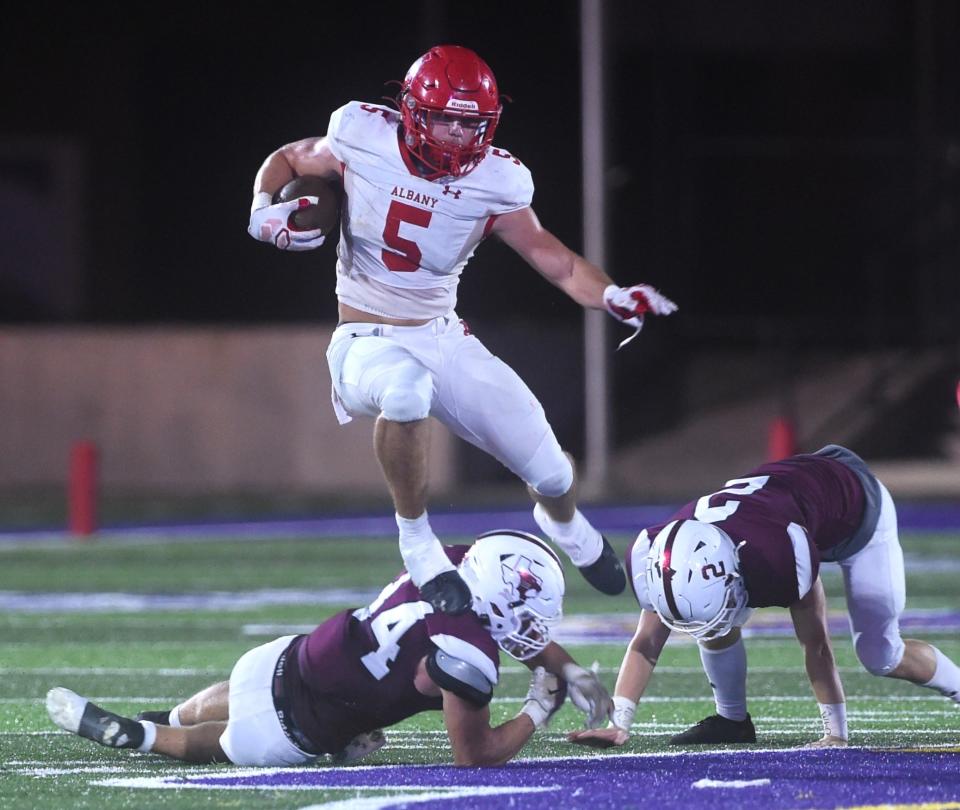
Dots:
pixel 584 282
pixel 642 655
pixel 634 676
pixel 275 172
pixel 640 658
pixel 823 675
pixel 496 746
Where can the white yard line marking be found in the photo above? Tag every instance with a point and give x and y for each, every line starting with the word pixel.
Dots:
pixel 411 740
pixel 401 794
pixel 931 698
pixel 734 783
pixel 865 714
pixel 48 771
pixel 379 802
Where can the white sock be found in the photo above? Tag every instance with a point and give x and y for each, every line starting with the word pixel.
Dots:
pixel 423 556
pixel 175 716
pixel 578 538
pixel 727 672
pixel 946 677
pixel 149 735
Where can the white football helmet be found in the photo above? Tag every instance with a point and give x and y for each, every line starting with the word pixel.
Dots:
pixel 517 586
pixel 693 579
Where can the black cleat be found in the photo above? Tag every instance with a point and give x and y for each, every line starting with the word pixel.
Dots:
pixel 160 718
pixel 79 716
pixel 717 729
pixel 448 593
pixel 606 574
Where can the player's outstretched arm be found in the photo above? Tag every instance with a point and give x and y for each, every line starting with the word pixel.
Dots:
pixel 583 281
pixel 476 744
pixel 809 616
pixel 639 661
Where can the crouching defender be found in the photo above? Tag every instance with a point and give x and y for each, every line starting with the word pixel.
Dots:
pixel 759 542
pixel 332 691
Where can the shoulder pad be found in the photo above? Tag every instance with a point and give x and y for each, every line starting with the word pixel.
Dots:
pixel 460 677
pixel 352 124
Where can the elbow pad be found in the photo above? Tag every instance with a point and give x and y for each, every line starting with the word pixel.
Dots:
pixel 460 677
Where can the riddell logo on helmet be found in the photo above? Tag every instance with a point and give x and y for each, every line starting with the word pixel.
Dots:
pixel 460 104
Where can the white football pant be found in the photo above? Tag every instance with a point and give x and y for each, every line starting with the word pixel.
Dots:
pixel 254 735
pixel 875 586
pixel 408 372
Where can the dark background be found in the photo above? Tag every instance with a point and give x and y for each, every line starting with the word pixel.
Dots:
pixel 789 172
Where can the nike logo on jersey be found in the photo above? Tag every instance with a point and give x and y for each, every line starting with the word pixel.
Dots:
pixel 414 196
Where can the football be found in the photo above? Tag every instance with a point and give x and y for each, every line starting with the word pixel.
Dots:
pixel 324 214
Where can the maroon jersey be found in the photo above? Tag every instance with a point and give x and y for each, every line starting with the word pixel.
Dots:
pixel 790 515
pixel 355 672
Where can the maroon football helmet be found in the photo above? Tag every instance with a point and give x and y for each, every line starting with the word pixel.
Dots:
pixel 450 108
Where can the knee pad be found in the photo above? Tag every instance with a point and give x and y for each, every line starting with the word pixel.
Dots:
pixel 879 655
pixel 549 473
pixel 407 396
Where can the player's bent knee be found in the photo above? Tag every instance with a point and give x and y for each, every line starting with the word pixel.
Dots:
pixel 551 477
pixel 878 656
pixel 407 402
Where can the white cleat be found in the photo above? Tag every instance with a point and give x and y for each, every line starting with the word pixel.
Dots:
pixel 79 716
pixel 66 708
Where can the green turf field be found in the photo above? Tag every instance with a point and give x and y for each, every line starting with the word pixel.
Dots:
pixel 131 660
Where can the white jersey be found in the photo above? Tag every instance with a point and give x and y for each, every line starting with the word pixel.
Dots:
pixel 405 240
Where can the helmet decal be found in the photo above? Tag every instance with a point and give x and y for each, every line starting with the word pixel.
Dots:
pixel 526 583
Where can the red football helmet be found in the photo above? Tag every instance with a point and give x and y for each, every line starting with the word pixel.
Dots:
pixel 450 108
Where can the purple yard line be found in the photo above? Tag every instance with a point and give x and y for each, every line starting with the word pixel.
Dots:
pixel 612 519
pixel 722 781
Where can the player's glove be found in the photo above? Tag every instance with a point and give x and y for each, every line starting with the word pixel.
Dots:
pixel 588 694
pixel 544 697
pixel 275 223
pixel 629 304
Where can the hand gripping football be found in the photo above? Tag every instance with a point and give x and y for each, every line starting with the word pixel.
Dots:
pixel 323 214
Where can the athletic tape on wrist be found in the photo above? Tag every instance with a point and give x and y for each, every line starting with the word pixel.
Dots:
pixel 535 712
pixel 261 200
pixel 834 716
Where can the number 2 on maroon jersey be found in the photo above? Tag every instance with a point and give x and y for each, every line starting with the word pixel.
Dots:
pixel 405 255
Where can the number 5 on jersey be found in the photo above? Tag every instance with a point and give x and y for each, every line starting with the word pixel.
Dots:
pixel 404 255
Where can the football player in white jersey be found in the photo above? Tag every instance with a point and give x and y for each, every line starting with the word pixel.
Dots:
pixel 423 185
